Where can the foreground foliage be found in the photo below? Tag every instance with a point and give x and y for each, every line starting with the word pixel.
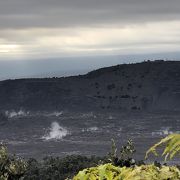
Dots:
pixel 118 165
pixel 122 167
pixel 172 147
pixel 11 168
pixel 143 172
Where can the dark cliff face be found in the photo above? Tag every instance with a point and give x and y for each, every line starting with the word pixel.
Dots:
pixel 137 87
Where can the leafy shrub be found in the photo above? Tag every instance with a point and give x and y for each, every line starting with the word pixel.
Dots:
pixel 11 168
pixel 144 172
pixel 124 158
pixel 58 168
pixel 122 165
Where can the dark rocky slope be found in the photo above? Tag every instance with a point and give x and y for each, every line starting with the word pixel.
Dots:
pixel 142 86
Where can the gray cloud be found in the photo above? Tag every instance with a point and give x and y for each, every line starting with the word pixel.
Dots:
pixel 49 30
pixel 82 13
pixel 31 29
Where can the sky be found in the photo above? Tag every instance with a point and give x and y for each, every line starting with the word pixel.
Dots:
pixel 67 37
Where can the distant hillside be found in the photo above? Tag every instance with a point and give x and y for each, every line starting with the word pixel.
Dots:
pixel 142 86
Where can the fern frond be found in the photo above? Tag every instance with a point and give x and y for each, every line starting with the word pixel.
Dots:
pixel 172 147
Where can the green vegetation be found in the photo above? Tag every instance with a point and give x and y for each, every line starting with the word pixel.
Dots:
pixel 118 165
pixel 124 158
pixel 122 168
pixel 11 167
pixel 58 168
pixel 143 172
pixel 172 146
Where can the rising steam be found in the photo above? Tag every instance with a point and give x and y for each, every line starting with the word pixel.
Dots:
pixel 56 132
pixel 13 113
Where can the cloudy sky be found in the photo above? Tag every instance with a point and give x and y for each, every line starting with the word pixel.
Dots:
pixel 33 30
